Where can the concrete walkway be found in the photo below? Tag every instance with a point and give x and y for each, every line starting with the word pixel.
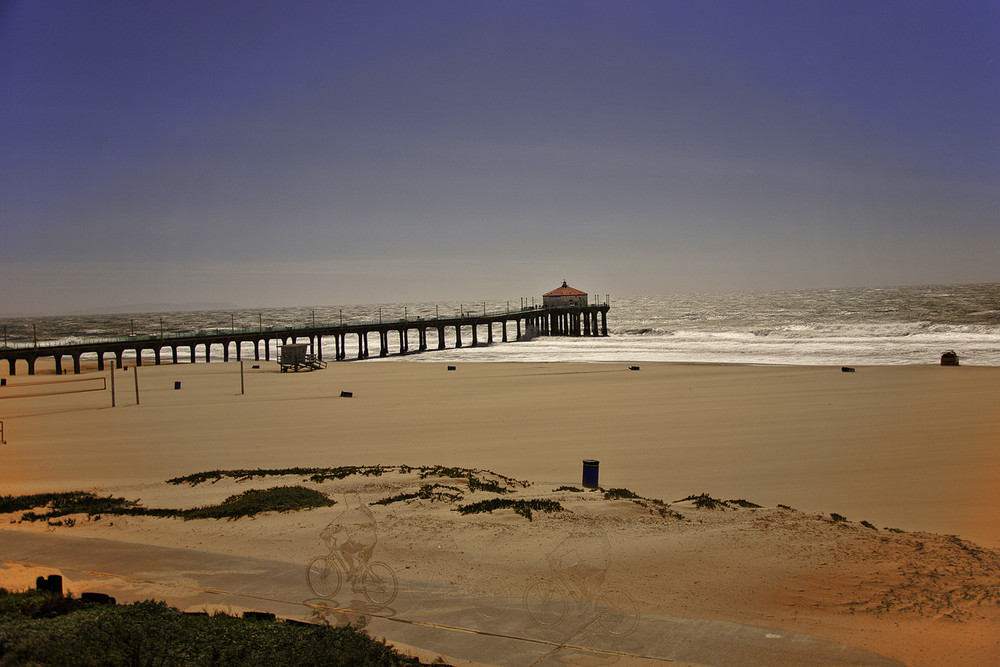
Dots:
pixel 497 631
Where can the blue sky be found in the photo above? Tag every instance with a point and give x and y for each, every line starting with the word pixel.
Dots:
pixel 322 153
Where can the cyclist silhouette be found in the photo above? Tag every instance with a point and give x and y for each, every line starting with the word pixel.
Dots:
pixel 353 532
pixel 578 566
pixel 584 560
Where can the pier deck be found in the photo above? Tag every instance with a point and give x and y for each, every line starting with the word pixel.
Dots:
pixel 528 323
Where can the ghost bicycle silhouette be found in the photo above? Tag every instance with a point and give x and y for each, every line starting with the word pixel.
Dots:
pixel 351 558
pixel 374 579
pixel 578 586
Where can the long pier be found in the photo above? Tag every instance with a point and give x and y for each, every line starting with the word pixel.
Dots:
pixel 527 323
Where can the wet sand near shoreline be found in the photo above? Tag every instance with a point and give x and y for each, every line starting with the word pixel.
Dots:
pixel 909 448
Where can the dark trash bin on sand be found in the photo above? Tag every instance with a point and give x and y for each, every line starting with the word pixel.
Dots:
pixel 591 469
pixel 949 358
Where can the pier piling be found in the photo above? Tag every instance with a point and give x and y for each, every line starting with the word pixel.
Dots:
pixel 529 322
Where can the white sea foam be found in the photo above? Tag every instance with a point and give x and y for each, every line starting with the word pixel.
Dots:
pixel 739 348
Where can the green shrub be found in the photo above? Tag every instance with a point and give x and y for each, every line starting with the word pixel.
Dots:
pixel 398 498
pixel 241 475
pixel 618 494
pixel 36 604
pixel 426 492
pixel 521 507
pixel 248 503
pixel 658 507
pixel 705 502
pixel 71 502
pixel 486 485
pixel 504 484
pixel 255 501
pixel 342 472
pixel 151 633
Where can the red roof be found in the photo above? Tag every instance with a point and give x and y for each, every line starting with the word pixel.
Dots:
pixel 565 290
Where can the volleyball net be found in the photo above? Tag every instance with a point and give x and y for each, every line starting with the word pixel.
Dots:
pixel 32 389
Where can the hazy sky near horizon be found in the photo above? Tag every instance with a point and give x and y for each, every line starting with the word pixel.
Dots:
pixel 319 153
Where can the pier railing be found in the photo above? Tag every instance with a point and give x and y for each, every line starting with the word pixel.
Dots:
pixel 463 316
pixel 535 321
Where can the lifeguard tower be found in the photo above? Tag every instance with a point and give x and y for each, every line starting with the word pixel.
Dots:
pixel 295 356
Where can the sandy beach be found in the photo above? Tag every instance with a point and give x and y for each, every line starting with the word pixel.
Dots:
pixel 907 448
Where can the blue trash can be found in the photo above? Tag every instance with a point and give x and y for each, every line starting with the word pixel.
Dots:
pixel 177 385
pixel 591 468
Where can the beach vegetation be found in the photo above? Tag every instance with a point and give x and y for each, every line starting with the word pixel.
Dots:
pixel 319 475
pixel 312 474
pixel 654 505
pixel 432 492
pixel 786 507
pixel 444 471
pixel 68 522
pixel 36 604
pixel 740 502
pixel 473 476
pixel 477 479
pixel 55 505
pixel 838 518
pixel 705 502
pixel 619 494
pixel 249 503
pixel 486 485
pixel 657 506
pixel 398 498
pixel 46 628
pixel 242 475
pixel 868 524
pixel 569 488
pixel 524 508
pixel 256 501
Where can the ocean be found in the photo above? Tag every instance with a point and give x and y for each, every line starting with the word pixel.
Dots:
pixel 841 327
